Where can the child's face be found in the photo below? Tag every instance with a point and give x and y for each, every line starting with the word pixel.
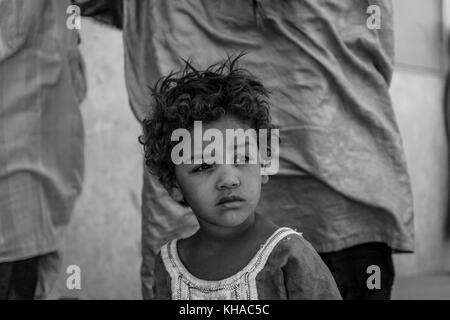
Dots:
pixel 224 195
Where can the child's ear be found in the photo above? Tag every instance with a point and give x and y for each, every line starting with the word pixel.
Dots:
pixel 264 179
pixel 176 193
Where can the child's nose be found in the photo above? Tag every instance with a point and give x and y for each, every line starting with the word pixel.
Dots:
pixel 228 178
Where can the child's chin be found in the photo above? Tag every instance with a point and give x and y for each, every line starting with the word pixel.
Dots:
pixel 233 218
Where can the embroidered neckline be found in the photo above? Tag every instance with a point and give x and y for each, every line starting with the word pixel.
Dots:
pixel 256 263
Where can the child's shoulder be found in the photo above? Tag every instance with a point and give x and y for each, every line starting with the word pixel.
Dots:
pixel 290 239
pixel 292 244
pixel 305 274
pixel 169 249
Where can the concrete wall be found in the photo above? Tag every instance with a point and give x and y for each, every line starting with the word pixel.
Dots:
pixel 104 236
pixel 417 93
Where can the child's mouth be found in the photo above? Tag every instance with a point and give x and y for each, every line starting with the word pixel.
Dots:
pixel 230 201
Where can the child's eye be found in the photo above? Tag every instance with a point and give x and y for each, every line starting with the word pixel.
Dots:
pixel 202 167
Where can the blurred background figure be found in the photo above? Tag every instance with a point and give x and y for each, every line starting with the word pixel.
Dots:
pixel 42 84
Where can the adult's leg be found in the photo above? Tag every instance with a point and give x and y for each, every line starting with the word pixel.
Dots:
pixel 24 279
pixel 18 279
pixel 5 279
pixel 350 268
pixel 162 220
pixel 49 268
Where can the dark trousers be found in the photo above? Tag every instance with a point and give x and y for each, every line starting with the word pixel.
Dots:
pixel 18 279
pixel 350 270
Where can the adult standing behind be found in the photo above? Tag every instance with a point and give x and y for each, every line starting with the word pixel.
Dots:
pixel 329 75
pixel 343 180
pixel 41 142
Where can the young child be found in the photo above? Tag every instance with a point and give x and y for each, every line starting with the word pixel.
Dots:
pixel 236 254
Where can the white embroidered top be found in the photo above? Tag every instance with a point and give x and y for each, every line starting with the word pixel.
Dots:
pixel 240 286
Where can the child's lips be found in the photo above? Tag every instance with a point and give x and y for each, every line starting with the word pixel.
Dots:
pixel 230 201
pixel 232 205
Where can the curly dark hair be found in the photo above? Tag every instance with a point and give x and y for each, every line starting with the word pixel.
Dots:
pixel 199 95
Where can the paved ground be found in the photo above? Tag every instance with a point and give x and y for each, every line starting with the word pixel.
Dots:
pixel 426 287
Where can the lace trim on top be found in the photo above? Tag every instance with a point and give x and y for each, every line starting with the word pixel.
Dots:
pixel 246 277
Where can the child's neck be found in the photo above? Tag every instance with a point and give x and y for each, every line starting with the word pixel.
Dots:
pixel 227 252
pixel 216 235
